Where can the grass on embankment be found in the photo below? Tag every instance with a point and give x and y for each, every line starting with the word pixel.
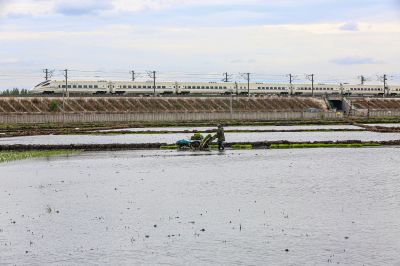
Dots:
pixel 322 145
pixel 6 156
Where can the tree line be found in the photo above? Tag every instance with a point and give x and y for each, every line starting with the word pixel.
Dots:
pixel 14 91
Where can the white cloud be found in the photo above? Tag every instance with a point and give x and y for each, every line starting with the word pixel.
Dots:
pixel 46 7
pixel 279 48
pixel 349 27
pixel 336 28
pixel 26 7
pixel 339 47
pixel 9 61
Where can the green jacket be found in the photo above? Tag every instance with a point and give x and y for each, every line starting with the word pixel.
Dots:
pixel 220 135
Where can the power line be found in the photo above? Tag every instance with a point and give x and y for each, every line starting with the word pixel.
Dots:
pixel 246 76
pixel 152 74
pixel 362 79
pixel 226 77
pixel 48 73
pixel 133 75
pixel 384 79
pixel 311 78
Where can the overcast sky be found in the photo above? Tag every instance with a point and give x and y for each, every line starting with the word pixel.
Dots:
pixel 335 39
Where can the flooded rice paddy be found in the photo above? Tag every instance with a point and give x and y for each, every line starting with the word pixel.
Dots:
pixel 384 125
pixel 257 207
pixel 173 137
pixel 305 127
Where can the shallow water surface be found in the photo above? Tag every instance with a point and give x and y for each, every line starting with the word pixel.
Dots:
pixel 384 125
pixel 259 207
pixel 294 127
pixel 173 137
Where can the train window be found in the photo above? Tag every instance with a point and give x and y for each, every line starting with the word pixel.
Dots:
pixel 124 86
pixel 63 86
pixel 158 87
pixel 129 87
pixel 207 87
pixel 80 86
pixel 149 87
pixel 141 86
pixel 202 87
pixel 90 86
pixel 59 86
pixel 163 87
pixel 95 86
pixel 74 86
pixel 220 87
pixel 69 86
pixel 225 87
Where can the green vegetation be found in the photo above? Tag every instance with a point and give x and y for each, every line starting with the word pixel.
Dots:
pixel 169 147
pixel 197 136
pixel 242 146
pixel 15 91
pixel 53 106
pixel 322 145
pixel 6 156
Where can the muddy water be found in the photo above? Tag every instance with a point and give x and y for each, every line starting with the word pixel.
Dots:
pixel 269 207
pixel 307 127
pixel 173 137
pixel 384 125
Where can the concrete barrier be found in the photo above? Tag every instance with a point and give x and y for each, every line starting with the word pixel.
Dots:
pixel 375 113
pixel 161 117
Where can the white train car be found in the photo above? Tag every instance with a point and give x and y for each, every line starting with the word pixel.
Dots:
pixel 319 89
pixel 82 86
pixel 143 88
pixel 269 88
pixel 394 90
pixel 363 90
pixel 205 88
pixel 209 88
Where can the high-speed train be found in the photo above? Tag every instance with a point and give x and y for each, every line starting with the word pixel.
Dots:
pixel 212 88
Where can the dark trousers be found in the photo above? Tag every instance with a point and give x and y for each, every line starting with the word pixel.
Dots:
pixel 221 145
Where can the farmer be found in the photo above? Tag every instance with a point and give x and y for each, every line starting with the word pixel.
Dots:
pixel 221 137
